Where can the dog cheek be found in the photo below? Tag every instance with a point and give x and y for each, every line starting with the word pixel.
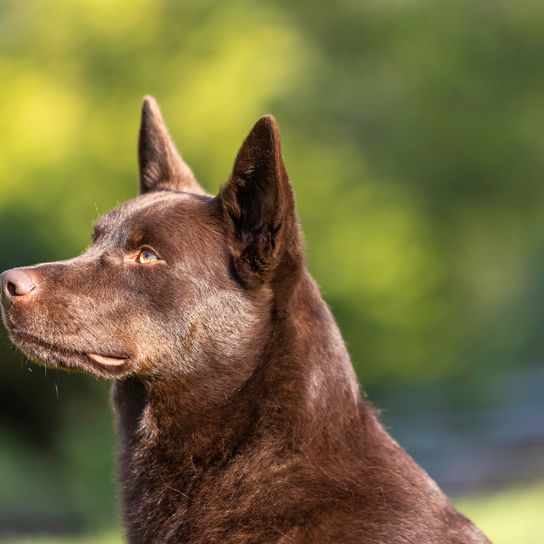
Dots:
pixel 156 344
pixel 219 325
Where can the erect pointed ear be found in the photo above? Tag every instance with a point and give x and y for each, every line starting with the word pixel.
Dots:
pixel 258 206
pixel 161 167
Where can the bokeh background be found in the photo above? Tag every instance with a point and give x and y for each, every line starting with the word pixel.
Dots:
pixel 413 132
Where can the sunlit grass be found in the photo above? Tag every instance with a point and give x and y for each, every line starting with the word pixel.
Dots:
pixel 513 516
pixel 510 516
pixel 104 538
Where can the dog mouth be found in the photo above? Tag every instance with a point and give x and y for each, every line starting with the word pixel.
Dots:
pixel 107 360
pixel 103 364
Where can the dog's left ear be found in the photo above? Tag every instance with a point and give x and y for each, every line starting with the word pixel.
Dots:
pixel 258 206
pixel 161 167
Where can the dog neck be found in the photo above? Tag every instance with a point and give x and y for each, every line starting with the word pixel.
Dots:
pixel 302 371
pixel 298 390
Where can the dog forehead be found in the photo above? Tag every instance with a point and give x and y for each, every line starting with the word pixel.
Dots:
pixel 150 209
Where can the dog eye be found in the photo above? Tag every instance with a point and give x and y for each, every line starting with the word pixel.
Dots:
pixel 146 256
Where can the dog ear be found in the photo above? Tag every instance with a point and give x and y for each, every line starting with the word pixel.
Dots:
pixel 258 205
pixel 161 167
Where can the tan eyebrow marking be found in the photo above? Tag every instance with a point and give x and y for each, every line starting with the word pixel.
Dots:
pixel 135 239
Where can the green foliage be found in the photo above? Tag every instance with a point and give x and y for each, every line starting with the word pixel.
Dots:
pixel 412 134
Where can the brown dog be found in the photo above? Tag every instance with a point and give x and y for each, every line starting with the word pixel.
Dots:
pixel 238 410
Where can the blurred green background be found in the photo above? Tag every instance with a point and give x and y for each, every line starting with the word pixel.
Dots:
pixel 413 132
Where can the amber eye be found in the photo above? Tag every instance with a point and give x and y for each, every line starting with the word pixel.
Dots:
pixel 146 256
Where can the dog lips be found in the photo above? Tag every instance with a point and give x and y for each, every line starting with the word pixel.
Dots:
pixel 104 360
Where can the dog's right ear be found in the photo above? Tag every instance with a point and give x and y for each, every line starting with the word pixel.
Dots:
pixel 161 167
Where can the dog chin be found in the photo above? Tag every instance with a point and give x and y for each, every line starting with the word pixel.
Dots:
pixel 53 355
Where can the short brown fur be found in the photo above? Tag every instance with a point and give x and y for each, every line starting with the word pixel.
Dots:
pixel 239 414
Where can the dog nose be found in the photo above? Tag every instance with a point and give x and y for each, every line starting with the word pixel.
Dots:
pixel 16 284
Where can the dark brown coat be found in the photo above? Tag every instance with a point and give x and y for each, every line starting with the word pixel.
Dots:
pixel 239 414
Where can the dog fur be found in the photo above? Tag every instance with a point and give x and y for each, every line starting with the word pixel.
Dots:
pixel 238 411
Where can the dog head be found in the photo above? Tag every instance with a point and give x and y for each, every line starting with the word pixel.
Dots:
pixel 175 280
